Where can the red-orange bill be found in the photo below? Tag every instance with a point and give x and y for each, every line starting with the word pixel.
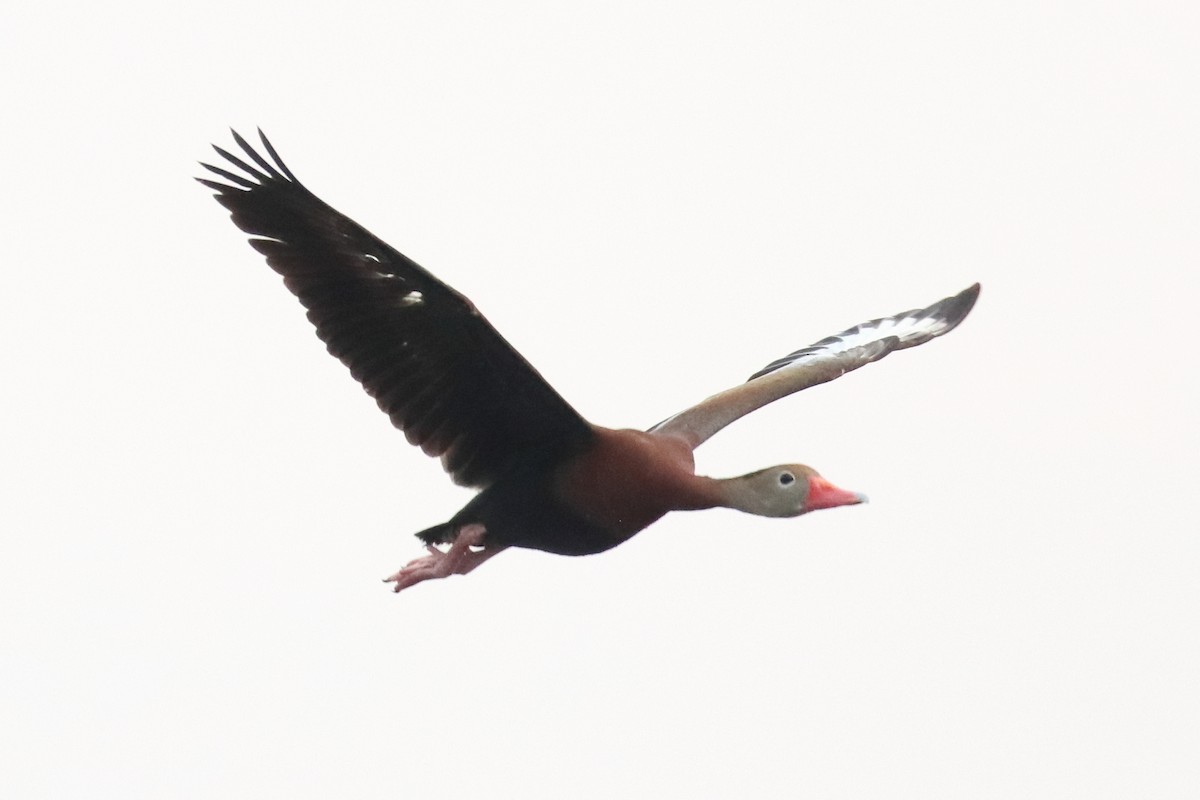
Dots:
pixel 823 494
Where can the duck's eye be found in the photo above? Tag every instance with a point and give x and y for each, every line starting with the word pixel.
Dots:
pixel 786 478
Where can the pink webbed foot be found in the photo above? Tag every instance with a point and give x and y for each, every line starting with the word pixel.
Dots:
pixel 458 560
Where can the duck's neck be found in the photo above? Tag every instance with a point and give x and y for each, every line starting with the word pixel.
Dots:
pixel 736 493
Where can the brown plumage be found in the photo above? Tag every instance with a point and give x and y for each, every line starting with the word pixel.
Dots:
pixel 549 480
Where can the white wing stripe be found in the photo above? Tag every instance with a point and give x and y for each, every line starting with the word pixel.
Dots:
pixel 824 361
pixel 909 329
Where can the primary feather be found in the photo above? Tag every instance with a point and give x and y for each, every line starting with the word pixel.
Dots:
pixel 432 362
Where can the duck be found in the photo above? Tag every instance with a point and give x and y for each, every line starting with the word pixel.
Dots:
pixel 546 478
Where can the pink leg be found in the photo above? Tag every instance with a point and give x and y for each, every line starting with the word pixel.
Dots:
pixel 458 560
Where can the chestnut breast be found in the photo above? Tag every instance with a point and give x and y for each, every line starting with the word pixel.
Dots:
pixel 628 479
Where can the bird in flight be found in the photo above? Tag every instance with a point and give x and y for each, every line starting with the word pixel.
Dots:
pixel 547 478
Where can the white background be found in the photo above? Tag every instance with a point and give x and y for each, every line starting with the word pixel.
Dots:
pixel 651 200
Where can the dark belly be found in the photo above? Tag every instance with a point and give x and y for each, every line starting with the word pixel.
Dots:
pixel 524 513
pixel 591 501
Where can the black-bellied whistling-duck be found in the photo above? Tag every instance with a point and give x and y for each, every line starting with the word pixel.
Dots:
pixel 548 479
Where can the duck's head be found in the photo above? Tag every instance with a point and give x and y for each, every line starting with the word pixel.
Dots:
pixel 787 490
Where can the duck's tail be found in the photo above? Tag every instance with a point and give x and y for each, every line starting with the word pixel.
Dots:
pixel 439 534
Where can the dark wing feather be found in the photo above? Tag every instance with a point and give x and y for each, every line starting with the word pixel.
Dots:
pixel 433 363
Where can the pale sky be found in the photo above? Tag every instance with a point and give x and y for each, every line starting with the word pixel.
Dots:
pixel 651 201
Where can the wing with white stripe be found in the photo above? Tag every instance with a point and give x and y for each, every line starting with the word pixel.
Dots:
pixel 829 358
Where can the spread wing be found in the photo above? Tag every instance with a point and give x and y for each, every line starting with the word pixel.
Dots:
pixel 829 358
pixel 443 374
